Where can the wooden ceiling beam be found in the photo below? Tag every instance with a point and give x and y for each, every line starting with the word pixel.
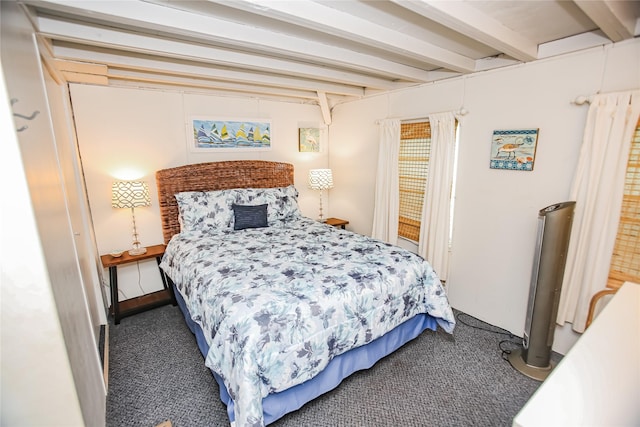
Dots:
pixel 151 45
pixel 463 18
pixel 329 20
pixel 617 19
pixel 190 82
pixel 324 107
pixel 203 71
pixel 168 18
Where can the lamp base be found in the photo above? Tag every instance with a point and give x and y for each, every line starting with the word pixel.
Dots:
pixel 137 251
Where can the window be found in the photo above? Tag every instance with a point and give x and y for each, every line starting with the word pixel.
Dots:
pixel 413 165
pixel 625 262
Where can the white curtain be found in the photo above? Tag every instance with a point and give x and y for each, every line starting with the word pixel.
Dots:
pixel 387 198
pixel 436 214
pixel 597 189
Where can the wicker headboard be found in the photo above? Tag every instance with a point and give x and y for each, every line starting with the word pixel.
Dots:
pixel 214 176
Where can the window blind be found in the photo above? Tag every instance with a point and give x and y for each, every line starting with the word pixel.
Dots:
pixel 625 261
pixel 413 165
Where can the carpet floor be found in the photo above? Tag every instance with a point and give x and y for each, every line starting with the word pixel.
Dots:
pixel 156 373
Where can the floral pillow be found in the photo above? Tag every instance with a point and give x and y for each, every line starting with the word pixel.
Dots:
pixel 282 202
pixel 205 209
pixel 213 209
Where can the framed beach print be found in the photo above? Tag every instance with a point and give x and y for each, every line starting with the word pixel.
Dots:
pixel 309 140
pixel 513 149
pixel 211 135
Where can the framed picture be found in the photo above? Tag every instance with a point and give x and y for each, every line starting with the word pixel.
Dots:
pixel 514 149
pixel 229 135
pixel 309 140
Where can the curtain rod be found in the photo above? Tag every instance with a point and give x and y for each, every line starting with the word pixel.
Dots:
pixel 458 113
pixel 587 99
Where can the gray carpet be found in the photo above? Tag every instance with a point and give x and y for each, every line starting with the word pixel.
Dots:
pixel 157 373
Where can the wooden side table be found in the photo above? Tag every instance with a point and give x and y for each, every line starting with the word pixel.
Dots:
pixel 337 222
pixel 143 302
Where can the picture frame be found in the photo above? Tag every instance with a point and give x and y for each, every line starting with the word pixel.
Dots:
pixel 514 149
pixel 309 140
pixel 224 135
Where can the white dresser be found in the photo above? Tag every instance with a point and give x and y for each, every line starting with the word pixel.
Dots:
pixel 598 382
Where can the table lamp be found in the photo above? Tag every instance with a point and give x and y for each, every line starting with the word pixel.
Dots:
pixel 131 194
pixel 320 179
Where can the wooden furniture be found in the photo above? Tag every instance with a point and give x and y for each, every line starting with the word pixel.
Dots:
pixel 594 302
pixel 142 303
pixel 337 222
pixel 597 382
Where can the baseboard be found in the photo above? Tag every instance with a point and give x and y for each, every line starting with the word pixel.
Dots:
pixel 105 356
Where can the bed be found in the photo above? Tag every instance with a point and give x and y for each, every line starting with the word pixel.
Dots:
pixel 283 307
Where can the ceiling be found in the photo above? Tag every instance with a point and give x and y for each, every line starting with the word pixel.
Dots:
pixel 322 51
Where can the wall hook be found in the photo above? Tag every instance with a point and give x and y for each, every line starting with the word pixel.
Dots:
pixel 22 116
pixel 31 117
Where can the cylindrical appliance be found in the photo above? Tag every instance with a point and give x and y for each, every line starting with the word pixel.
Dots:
pixel 552 243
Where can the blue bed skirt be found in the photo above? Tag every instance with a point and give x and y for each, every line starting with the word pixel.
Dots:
pixel 277 405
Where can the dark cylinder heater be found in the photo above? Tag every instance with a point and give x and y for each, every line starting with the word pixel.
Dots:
pixel 554 229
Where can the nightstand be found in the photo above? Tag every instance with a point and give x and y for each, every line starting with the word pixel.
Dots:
pixel 337 222
pixel 142 303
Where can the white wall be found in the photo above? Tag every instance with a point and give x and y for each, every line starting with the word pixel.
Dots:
pixel 496 210
pixel 69 161
pixel 495 223
pixel 131 133
pixel 51 371
pixel 32 392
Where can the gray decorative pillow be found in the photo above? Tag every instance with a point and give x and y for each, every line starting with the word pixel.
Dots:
pixel 249 216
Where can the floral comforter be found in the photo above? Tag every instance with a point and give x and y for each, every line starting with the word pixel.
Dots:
pixel 276 304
